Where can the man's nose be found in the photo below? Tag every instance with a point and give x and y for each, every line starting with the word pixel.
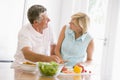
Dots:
pixel 48 19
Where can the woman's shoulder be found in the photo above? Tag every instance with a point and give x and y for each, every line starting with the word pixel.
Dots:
pixel 68 30
pixel 67 26
pixel 64 28
pixel 89 37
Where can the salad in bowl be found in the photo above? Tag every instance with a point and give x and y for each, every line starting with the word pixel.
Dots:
pixel 49 68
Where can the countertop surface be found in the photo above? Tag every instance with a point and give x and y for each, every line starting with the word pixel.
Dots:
pixel 6 73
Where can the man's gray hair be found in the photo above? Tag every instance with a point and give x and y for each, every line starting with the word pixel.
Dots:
pixel 34 12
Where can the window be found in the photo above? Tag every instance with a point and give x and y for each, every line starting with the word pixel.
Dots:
pixel 11 21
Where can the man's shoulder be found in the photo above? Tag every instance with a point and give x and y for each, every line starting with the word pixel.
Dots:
pixel 24 29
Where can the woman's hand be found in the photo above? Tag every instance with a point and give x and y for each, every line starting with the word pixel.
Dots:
pixel 86 63
pixel 81 64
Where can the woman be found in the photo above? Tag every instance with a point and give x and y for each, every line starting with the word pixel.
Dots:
pixel 75 44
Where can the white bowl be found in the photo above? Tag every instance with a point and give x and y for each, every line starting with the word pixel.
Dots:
pixel 28 67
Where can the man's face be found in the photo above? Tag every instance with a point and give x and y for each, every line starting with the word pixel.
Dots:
pixel 44 21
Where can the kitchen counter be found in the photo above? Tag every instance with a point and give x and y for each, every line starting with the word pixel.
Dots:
pixel 6 73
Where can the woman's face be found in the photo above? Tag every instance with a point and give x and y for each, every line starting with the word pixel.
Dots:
pixel 75 27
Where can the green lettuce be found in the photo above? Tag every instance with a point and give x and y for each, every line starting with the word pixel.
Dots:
pixel 48 69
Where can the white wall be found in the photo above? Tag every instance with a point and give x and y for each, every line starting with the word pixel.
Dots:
pixel 11 14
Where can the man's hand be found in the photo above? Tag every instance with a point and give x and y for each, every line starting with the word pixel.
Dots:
pixel 54 58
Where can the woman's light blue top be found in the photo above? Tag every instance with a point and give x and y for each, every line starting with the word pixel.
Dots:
pixel 74 50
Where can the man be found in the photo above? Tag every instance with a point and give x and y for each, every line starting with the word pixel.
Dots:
pixel 35 39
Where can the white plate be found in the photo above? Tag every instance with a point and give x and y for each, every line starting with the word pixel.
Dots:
pixel 27 67
pixel 73 74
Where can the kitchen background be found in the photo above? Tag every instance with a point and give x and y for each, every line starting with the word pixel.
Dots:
pixel 104 27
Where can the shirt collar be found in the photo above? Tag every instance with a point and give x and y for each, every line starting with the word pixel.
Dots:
pixel 82 37
pixel 71 32
pixel 37 34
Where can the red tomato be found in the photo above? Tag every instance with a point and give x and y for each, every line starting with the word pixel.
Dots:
pixel 64 69
pixel 83 70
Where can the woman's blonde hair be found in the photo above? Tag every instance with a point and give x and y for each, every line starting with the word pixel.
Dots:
pixel 82 20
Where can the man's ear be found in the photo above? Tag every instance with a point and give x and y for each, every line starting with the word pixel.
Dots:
pixel 35 21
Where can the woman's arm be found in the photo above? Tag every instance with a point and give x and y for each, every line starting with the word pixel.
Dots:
pixel 52 49
pixel 59 43
pixel 90 50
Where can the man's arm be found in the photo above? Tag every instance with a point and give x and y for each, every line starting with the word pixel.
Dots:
pixel 34 57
